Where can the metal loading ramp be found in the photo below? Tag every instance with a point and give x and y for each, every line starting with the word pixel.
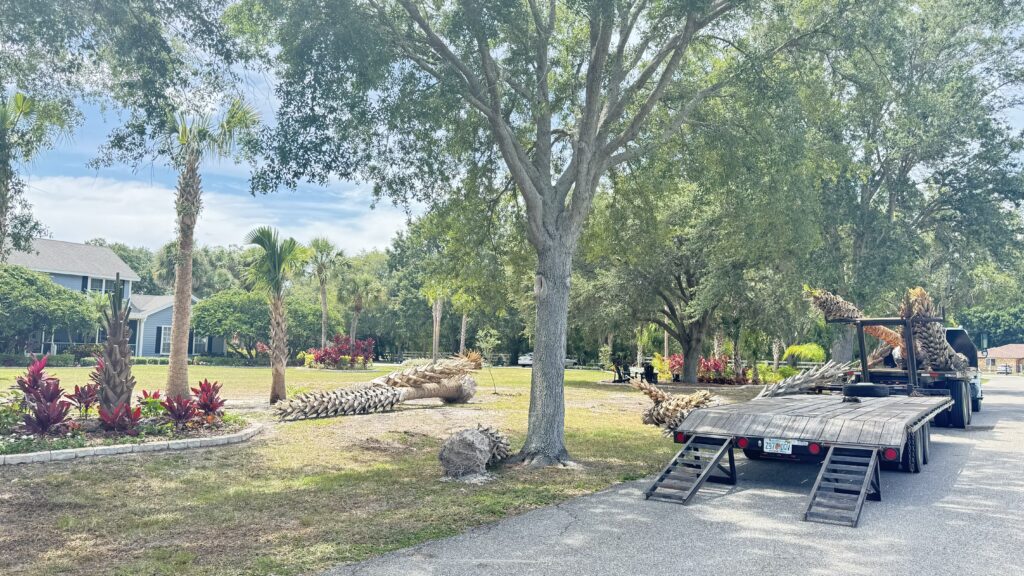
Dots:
pixel 698 462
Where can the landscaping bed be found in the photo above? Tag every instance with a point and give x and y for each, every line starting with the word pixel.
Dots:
pixel 305 495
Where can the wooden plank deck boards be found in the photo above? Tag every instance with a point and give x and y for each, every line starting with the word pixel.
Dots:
pixel 818 418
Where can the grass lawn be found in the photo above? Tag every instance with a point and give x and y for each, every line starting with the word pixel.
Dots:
pixel 306 495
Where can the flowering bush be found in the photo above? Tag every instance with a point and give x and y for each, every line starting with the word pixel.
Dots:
pixel 675 364
pixel 341 354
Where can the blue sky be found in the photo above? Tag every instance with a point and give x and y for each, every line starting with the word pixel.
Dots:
pixel 77 203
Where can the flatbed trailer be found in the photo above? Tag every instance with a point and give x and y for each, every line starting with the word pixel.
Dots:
pixel 855 427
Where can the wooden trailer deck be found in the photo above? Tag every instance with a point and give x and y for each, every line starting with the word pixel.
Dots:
pixel 857 436
pixel 872 422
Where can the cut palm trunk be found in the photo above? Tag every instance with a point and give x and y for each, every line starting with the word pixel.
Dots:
pixel 448 380
pixel 114 370
pixel 669 410
pixel 835 308
pixel 935 351
pixel 831 372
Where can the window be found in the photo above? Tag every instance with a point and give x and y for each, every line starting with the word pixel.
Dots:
pixel 96 285
pixel 165 339
pixel 199 345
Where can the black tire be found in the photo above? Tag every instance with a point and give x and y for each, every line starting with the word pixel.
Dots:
pixel 926 443
pixel 975 404
pixel 941 419
pixel 866 390
pixel 960 416
pixel 912 453
pixel 752 454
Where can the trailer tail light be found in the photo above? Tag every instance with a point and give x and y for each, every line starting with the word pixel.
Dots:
pixel 890 454
pixel 814 448
pixel 742 443
pixel 679 437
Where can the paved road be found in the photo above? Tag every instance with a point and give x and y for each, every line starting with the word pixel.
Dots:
pixel 963 515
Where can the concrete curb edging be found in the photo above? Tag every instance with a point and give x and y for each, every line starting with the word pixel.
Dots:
pixel 90 451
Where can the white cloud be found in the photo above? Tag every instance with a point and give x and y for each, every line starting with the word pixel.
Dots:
pixel 140 213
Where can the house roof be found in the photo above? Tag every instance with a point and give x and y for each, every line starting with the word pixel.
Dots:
pixel 144 305
pixel 1007 351
pixel 59 257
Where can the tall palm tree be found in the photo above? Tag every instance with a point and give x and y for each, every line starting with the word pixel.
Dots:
pixel 324 262
pixel 360 290
pixel 271 269
pixel 188 140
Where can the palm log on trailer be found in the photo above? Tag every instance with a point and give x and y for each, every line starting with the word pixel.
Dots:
pixel 448 380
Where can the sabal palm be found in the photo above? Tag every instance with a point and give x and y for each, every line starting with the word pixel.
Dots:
pixel 361 290
pixel 324 261
pixel 188 140
pixel 271 270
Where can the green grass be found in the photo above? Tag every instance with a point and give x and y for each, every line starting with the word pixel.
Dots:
pixel 306 495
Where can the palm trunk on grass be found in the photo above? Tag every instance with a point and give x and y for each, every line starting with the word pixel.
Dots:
pixel 188 203
pixel 278 349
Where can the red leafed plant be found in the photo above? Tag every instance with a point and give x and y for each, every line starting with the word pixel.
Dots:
pixel 48 416
pixel 180 409
pixel 121 419
pixel 208 399
pixel 340 352
pixel 84 397
pixel 96 376
pixel 675 363
pixel 34 377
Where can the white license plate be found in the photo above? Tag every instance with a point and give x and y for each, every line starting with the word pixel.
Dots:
pixel 778 446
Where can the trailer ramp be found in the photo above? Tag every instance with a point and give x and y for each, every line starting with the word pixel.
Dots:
pixel 698 462
pixel 848 476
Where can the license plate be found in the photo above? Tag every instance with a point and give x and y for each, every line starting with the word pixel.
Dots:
pixel 778 446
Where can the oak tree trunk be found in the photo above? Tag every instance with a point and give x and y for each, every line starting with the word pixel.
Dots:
pixel 545 437
pixel 278 349
pixel 188 203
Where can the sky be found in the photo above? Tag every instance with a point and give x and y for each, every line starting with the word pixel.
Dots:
pixel 78 203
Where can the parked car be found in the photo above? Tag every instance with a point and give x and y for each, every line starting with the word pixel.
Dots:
pixel 1004 369
pixel 526 360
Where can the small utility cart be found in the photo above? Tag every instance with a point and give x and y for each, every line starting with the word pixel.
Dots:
pixel 874 419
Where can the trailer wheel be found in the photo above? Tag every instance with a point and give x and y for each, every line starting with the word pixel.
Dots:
pixel 975 404
pixel 912 453
pixel 752 454
pixel 926 443
pixel 866 390
pixel 960 417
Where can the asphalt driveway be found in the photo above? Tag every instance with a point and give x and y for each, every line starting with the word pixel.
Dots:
pixel 963 515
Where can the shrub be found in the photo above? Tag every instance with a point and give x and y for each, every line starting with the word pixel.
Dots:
pixel 45 417
pixel 805 353
pixel 150 404
pixel 87 362
pixel 10 412
pixel 660 365
pixel 208 399
pixel 675 363
pixel 83 351
pixel 84 397
pixel 44 399
pixel 30 383
pixel 341 354
pixel 62 360
pixel 787 371
pixel 180 409
pixel 14 361
pixel 121 419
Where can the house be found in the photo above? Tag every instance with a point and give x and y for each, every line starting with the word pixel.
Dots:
pixel 1011 355
pixel 86 268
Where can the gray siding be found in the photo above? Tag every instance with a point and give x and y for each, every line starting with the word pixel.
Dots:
pixel 148 344
pixel 68 281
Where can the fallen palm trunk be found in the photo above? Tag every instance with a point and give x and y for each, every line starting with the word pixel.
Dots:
pixel 448 380
pixel 669 410
pixel 829 373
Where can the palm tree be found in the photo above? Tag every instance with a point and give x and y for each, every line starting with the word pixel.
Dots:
pixel 361 290
pixel 324 261
pixel 271 269
pixel 188 140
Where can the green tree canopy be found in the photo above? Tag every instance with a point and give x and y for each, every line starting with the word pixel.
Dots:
pixel 31 303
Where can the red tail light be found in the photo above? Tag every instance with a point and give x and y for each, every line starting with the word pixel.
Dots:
pixel 890 454
pixel 680 438
pixel 814 448
pixel 742 442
